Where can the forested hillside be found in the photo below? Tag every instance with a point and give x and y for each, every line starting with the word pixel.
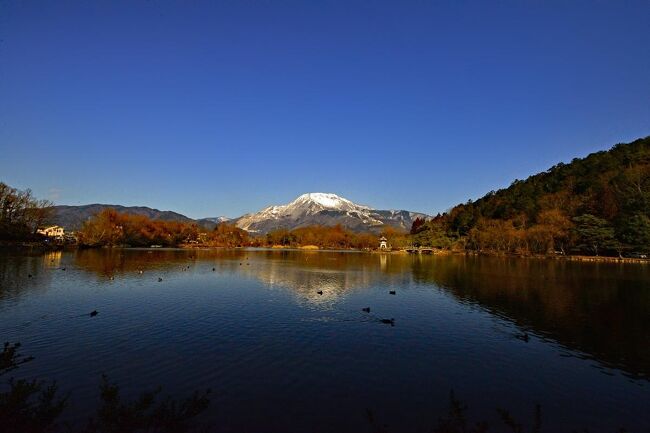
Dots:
pixel 598 205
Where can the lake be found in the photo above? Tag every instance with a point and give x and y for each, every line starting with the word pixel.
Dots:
pixel 280 357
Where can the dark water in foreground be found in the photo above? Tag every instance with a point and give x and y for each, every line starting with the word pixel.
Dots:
pixel 279 357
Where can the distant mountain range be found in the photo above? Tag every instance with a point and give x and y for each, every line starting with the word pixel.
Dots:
pixel 73 217
pixel 309 209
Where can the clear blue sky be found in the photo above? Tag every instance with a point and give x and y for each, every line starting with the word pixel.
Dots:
pixel 221 108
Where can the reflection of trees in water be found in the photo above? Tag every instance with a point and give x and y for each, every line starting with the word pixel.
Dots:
pixel 23 274
pixel 600 309
pixel 304 272
pixel 107 262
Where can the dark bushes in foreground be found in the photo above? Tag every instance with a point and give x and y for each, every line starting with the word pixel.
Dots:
pixel 35 406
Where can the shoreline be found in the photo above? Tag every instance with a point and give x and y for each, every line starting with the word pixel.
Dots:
pixel 37 247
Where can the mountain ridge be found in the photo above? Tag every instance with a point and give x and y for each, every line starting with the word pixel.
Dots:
pixel 326 209
pixel 72 217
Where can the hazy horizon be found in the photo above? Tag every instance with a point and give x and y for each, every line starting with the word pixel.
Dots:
pixel 222 109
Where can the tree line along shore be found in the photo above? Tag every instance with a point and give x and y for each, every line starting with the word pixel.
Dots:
pixel 110 228
pixel 597 206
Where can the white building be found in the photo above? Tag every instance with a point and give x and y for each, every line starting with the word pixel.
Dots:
pixel 52 232
pixel 383 243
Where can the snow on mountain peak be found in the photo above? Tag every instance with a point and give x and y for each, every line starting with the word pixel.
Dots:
pixel 327 201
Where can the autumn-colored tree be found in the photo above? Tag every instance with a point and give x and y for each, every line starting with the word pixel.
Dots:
pixel 228 235
pixel 499 236
pixel 551 232
pixel 332 237
pixel 112 228
pixel 416 227
pixel 280 237
pixel 104 229
pixel 20 213
pixel 396 238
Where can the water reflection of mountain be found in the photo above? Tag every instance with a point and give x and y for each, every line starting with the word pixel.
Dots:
pixel 306 273
pixel 334 274
pixel 599 309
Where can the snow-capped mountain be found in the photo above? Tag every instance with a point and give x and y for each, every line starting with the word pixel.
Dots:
pixel 216 220
pixel 325 209
pixel 211 222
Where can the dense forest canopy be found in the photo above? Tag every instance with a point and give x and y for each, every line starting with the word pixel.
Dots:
pixel 594 205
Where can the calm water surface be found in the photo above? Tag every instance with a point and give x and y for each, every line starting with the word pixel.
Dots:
pixel 279 357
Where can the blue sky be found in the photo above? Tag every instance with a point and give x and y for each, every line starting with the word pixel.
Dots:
pixel 221 108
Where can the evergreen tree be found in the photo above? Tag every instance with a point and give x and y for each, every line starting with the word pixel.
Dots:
pixel 594 234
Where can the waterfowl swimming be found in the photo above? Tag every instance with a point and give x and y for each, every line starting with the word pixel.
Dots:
pixel 392 292
pixel 63 269
pixel 320 292
pixel 93 313
pixel 29 275
pixel 523 337
pixel 111 277
pixel 366 310
pixel 390 322
pixel 214 269
pixel 159 279
pixel 140 272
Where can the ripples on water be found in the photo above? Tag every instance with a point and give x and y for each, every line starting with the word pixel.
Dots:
pixel 279 356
